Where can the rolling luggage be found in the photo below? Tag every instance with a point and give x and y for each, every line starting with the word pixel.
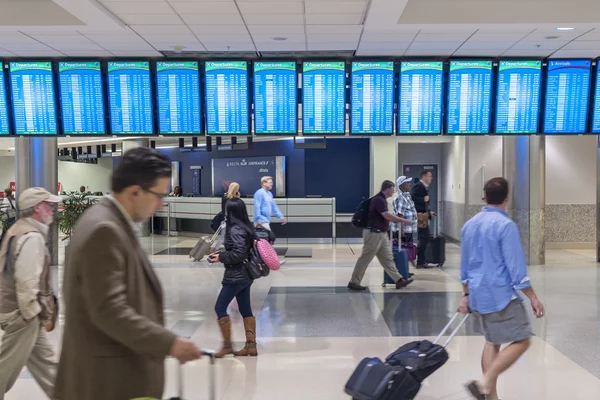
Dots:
pixel 423 358
pixel 401 261
pixel 202 248
pixel 212 395
pixel 435 252
pixel 374 380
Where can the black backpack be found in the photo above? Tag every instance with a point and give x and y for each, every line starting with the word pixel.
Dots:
pixel 360 219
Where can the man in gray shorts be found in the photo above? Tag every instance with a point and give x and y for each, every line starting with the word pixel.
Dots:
pixel 492 269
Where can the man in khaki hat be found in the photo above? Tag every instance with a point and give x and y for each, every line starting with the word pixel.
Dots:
pixel 27 303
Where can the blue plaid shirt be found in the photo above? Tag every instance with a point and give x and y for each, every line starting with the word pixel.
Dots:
pixel 403 205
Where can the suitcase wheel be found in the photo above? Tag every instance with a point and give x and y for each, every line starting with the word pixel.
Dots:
pixel 383 285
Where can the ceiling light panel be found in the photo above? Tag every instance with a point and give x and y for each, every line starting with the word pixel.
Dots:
pixel 335 7
pixel 261 7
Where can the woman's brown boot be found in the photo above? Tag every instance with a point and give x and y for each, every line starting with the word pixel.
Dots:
pixel 250 348
pixel 227 348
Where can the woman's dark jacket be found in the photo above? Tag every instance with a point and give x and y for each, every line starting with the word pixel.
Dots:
pixel 223 205
pixel 237 247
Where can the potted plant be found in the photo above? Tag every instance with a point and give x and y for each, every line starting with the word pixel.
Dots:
pixel 72 207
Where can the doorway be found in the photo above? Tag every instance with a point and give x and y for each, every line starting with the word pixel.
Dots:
pixel 414 171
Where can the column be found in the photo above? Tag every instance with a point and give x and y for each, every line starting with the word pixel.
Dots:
pixel 127 145
pixel 36 165
pixel 598 199
pixel 524 165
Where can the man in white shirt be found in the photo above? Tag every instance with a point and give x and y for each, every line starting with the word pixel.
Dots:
pixel 27 304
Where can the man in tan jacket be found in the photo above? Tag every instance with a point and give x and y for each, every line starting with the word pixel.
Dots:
pixel 114 342
pixel 27 307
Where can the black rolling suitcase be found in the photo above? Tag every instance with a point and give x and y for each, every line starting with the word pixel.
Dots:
pixel 435 252
pixel 375 380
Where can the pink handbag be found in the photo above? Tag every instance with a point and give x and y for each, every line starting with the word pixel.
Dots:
pixel 268 254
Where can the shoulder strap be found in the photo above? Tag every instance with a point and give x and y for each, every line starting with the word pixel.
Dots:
pixel 12 255
pixel 12 204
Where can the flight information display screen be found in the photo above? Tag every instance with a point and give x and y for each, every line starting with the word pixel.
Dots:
pixel 4 130
pixel 275 98
pixel 82 102
pixel 567 94
pixel 178 93
pixel 227 98
pixel 323 98
pixel 372 98
pixel 596 120
pixel 518 99
pixel 469 95
pixel 421 97
pixel 130 98
pixel 32 87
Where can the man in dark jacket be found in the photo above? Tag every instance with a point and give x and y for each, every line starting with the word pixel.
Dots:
pixel 420 196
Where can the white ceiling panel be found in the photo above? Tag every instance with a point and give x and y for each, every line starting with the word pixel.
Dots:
pixel 476 45
pixel 497 37
pixel 478 53
pixel 115 38
pixel 267 38
pixel 76 47
pixel 213 19
pixel 428 53
pixel 537 36
pixel 221 7
pixel 233 47
pixel 87 53
pixel 384 37
pixel 133 53
pixel 134 7
pixel 225 39
pixel 585 45
pixel 186 46
pixel 443 29
pixel 66 39
pixel 36 46
pixel 171 38
pixel 161 29
pixel 16 39
pixel 508 29
pixel 38 53
pixel 131 1
pixel 271 7
pixel 274 19
pixel 334 1
pixel 276 46
pixel 391 29
pixel 351 38
pixel 593 35
pixel 333 29
pixel 332 19
pixel 367 52
pixel 331 46
pixel 442 37
pixel 145 19
pixel 435 45
pixel 546 45
pixel 6 53
pixel 335 7
pixel 527 53
pixel 276 29
pixel 385 45
pixel 127 46
pixel 576 54
pixel 219 29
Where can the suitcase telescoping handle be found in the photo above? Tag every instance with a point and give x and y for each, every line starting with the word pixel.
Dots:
pixel 454 332
pixel 217 233
pixel 212 394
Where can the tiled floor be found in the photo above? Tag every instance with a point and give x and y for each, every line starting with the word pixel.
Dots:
pixel 313 331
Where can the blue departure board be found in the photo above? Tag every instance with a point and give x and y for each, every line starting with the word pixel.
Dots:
pixel 596 120
pixel 178 97
pixel 275 98
pixel 372 96
pixel 3 108
pixel 227 98
pixel 324 98
pixel 567 94
pixel 421 97
pixel 82 102
pixel 469 96
pixel 518 98
pixel 32 88
pixel 130 98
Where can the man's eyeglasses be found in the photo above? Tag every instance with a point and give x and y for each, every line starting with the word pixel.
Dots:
pixel 159 196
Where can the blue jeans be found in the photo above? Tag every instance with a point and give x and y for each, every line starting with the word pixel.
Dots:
pixel 239 291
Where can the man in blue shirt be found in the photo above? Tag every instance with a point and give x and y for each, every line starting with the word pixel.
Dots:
pixel 264 205
pixel 492 270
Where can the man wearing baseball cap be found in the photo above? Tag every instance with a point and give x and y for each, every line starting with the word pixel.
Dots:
pixel 27 304
pixel 404 206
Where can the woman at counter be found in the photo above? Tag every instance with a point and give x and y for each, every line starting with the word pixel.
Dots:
pixel 239 237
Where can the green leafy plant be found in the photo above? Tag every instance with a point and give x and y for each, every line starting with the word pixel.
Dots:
pixel 71 208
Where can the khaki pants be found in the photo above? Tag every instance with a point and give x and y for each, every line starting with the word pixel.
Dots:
pixel 23 344
pixel 375 244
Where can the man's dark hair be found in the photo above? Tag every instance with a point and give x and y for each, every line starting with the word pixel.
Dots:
pixel 496 191
pixel 424 172
pixel 140 166
pixel 387 185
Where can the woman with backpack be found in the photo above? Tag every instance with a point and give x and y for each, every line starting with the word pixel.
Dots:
pixel 239 240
